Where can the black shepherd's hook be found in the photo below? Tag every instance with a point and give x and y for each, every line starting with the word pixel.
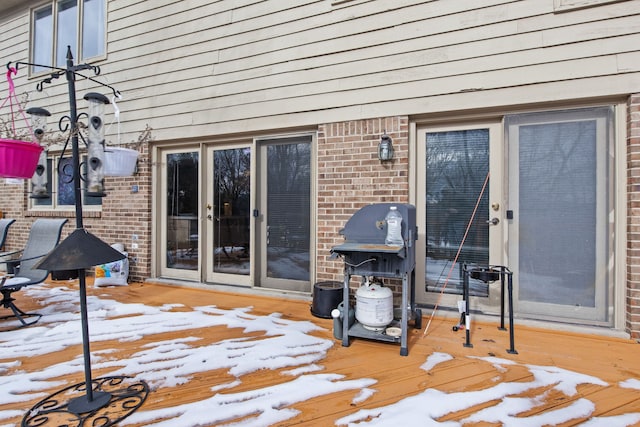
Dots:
pixel 60 71
pixel 39 86
pixel 19 63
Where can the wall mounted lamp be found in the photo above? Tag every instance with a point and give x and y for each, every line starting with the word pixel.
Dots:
pixel 385 148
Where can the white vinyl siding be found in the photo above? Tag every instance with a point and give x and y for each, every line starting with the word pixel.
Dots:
pixel 223 67
pixel 239 66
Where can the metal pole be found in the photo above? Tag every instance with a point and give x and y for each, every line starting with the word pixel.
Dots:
pixel 77 184
pixel 512 349
pixel 73 112
pixel 80 405
pixel 465 297
pixel 502 297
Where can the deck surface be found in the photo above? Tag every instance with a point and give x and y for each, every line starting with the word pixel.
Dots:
pixel 397 379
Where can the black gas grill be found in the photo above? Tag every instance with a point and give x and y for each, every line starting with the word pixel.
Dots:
pixel 365 254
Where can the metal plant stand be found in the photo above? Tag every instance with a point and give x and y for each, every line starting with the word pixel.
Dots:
pixel 487 274
pixel 104 401
pixel 123 395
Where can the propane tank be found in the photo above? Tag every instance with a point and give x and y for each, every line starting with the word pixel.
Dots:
pixel 374 306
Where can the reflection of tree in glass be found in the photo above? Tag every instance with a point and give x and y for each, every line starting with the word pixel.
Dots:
pixel 66 195
pixel 182 183
pixel 457 165
pixel 289 168
pixel 457 160
pixel 65 191
pixel 564 160
pixel 232 180
pixel 288 200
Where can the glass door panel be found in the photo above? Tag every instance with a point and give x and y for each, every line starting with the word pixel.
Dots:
pixel 229 216
pixel 457 230
pixel 180 230
pixel 462 211
pixel 286 213
pixel 560 198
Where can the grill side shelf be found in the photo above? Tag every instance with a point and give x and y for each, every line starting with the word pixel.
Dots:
pixel 367 247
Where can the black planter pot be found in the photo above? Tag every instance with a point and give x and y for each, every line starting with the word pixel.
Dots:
pixel 326 297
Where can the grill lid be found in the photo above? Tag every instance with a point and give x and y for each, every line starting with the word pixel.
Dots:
pixel 368 224
pixel 366 231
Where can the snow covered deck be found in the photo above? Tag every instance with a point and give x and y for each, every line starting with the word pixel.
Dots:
pixel 217 358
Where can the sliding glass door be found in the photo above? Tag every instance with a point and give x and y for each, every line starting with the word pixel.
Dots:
pixel 232 217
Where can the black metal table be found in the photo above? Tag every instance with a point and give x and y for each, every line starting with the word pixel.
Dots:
pixel 488 274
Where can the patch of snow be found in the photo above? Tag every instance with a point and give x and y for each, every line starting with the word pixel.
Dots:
pixel 435 359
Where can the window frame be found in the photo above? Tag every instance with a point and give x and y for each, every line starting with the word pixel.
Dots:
pixel 569 5
pixel 53 179
pixel 52 40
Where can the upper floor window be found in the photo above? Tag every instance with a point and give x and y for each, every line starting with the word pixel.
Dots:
pixel 80 24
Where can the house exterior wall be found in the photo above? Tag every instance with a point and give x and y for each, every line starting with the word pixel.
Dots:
pixel 216 68
pixel 198 70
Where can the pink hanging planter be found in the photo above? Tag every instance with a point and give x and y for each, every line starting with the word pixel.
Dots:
pixel 18 159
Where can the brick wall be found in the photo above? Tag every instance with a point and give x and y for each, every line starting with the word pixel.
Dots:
pixel 123 213
pixel 633 217
pixel 351 176
pixel 126 211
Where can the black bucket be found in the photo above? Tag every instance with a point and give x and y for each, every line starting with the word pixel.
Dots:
pixel 326 297
pixel 64 274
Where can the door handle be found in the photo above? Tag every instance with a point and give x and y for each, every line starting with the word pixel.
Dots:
pixel 493 221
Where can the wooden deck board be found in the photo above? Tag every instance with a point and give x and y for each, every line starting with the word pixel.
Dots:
pixel 470 369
